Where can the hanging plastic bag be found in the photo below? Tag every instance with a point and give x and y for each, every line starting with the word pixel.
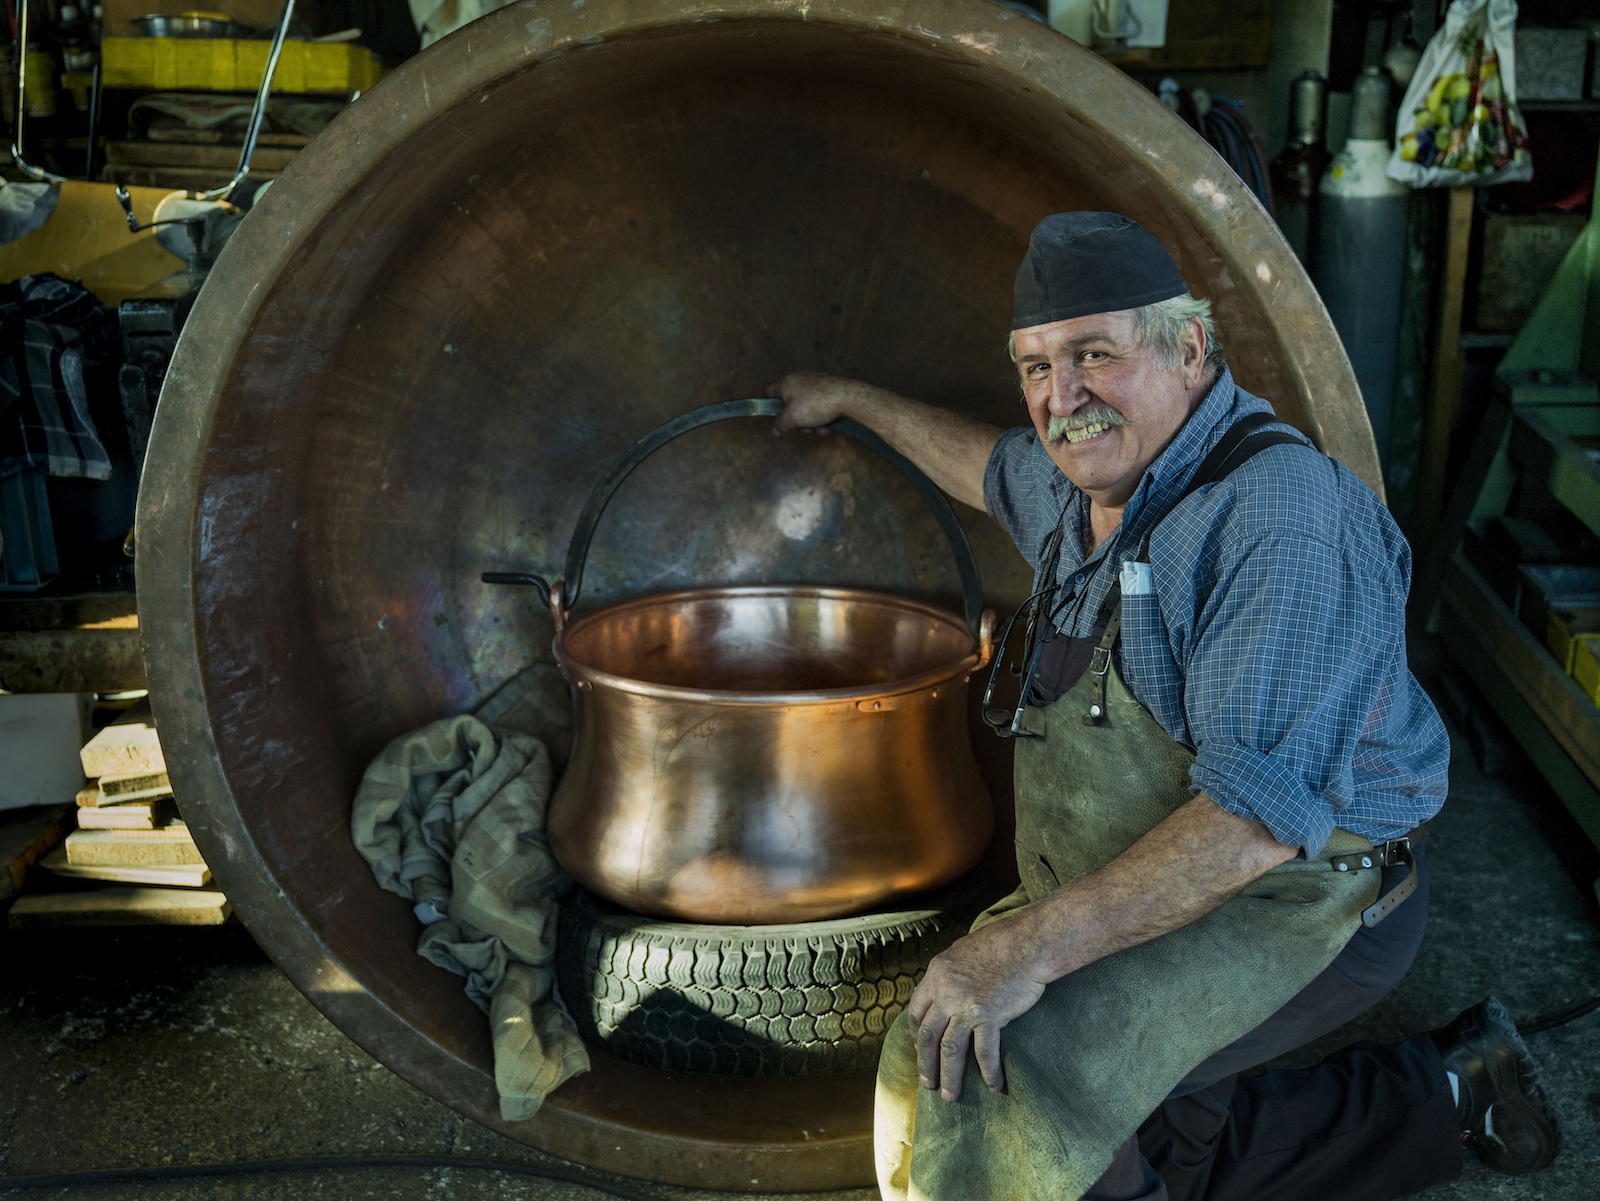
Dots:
pixel 1459 124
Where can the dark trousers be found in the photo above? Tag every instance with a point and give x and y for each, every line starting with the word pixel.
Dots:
pixel 1369 1123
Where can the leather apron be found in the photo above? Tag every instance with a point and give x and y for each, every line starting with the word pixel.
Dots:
pixel 1106 1044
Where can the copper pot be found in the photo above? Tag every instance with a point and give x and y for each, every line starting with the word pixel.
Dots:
pixel 766 754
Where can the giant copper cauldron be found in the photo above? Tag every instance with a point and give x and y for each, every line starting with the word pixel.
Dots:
pixel 542 237
pixel 761 755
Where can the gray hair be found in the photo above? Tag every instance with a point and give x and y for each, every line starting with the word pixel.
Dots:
pixel 1162 326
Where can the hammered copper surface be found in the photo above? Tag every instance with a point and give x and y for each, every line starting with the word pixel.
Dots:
pixel 519 252
pixel 763 755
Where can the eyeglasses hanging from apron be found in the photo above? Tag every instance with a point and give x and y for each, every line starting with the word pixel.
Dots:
pixel 1244 439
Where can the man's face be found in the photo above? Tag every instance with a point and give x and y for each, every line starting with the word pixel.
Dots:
pixel 1119 405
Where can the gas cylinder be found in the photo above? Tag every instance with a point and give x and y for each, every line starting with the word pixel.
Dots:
pixel 1297 170
pixel 1361 251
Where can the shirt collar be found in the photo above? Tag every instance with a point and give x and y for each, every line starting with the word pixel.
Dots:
pixel 1165 479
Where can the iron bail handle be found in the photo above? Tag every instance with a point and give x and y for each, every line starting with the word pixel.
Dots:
pixel 561 596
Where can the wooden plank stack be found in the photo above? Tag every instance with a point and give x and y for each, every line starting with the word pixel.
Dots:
pixel 130 837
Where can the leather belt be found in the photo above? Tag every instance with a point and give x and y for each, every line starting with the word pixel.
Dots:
pixel 1387 854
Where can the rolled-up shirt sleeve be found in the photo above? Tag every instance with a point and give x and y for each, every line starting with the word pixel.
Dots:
pixel 1289 661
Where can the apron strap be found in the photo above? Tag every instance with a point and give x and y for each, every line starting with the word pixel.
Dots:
pixel 1100 666
pixel 1238 443
pixel 1244 440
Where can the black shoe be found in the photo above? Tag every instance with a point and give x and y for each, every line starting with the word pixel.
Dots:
pixel 1496 1073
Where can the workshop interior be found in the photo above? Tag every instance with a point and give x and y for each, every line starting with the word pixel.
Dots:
pixel 386 414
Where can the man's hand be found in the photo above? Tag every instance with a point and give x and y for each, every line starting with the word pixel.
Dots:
pixel 1189 863
pixel 951 449
pixel 971 990
pixel 813 400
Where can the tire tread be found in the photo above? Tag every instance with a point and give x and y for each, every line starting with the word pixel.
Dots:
pixel 797 1000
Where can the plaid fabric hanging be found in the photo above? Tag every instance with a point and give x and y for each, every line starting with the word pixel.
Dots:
pixel 50 331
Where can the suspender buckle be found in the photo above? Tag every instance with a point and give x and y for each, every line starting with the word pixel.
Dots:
pixel 1100 662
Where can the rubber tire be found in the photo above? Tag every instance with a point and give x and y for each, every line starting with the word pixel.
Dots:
pixel 784 1000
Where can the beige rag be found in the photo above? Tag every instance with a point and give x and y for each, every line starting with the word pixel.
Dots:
pixel 452 817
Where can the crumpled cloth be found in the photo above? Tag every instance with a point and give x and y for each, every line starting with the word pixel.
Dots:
pixel 452 817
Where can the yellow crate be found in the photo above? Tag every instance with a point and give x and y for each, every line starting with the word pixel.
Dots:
pixel 1562 632
pixel 234 65
pixel 1586 666
pixel 311 66
pixel 202 64
pixel 1564 627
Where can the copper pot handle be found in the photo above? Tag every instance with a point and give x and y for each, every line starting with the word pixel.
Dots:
pixel 551 592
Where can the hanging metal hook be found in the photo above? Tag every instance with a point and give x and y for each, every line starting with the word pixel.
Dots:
pixel 32 172
pixel 257 113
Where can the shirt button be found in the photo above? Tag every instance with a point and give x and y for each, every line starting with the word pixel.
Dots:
pixel 1078 579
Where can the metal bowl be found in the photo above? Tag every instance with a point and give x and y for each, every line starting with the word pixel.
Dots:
pixel 190 25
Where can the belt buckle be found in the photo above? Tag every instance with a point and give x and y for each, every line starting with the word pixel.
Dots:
pixel 1396 850
pixel 1100 661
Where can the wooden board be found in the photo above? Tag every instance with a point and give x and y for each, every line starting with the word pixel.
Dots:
pixel 122 905
pixel 25 835
pixel 215 137
pixel 140 815
pixel 148 164
pixel 138 786
pixel 267 160
pixel 108 610
pixel 1449 365
pixel 87 238
pixel 167 847
pixel 128 745
pixel 188 875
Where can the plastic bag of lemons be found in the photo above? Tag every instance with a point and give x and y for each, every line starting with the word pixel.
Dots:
pixel 1459 123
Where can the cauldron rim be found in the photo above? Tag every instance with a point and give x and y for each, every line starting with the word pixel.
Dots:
pixel 955 670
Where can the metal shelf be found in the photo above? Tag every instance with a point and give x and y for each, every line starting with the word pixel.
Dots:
pixel 1557 724
pixel 1531 459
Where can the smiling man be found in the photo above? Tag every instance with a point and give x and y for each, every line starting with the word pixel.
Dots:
pixel 1223 767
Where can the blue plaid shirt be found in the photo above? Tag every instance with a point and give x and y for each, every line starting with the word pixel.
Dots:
pixel 1272 642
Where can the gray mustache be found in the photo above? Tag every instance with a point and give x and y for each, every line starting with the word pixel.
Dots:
pixel 1058 427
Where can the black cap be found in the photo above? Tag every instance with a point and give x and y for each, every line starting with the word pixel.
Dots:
pixel 1082 263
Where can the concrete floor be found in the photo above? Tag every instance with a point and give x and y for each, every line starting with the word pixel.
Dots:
pixel 151 1047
